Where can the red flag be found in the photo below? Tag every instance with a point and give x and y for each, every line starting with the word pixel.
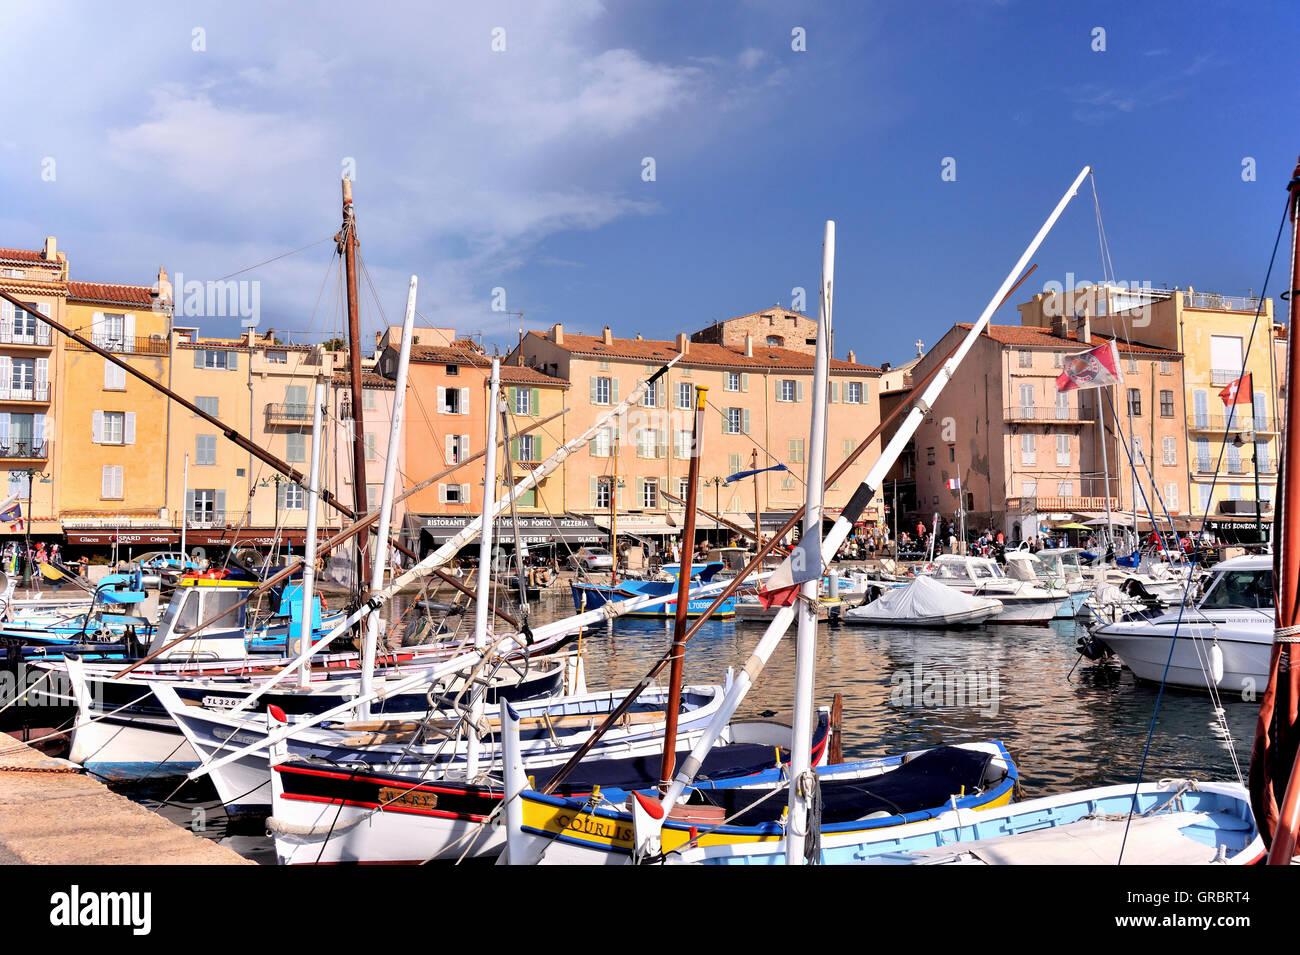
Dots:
pixel 1240 392
pixel 784 597
pixel 1094 368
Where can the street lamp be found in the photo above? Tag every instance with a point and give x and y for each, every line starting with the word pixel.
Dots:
pixel 32 474
pixel 1254 466
pixel 278 479
pixel 717 483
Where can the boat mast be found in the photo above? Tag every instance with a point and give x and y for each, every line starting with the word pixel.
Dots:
pixel 758 511
pixel 347 246
pixel 613 506
pixel 1105 468
pixel 185 492
pixel 313 513
pixel 683 599
pixel 1273 757
pixel 803 782
pixel 370 644
pixel 485 561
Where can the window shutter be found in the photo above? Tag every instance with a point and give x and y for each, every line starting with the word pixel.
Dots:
pixel 6 375
pixel 613 390
pixel 464 446
pixel 464 401
pixel 7 317
pixel 38 431
pixel 534 404
pixel 464 494
pixel 592 382
pixel 835 392
pixel 744 381
pixel 4 429
pixel 97 427
pixel 189 505
pixel 640 491
pixel 97 328
pixel 447 448
pixel 232 361
pixel 281 491
pixel 514 449
pixel 744 420
pixel 128 332
pixel 618 495
pixel 128 436
pixel 661 444
pixel 592 483
pixel 43 376
pixel 106 481
pixel 109 377
pixel 220 516
pixel 798 391
pixel 198 357
pixel 442 494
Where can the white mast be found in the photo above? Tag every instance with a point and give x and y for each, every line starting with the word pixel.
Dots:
pixel 307 627
pixel 483 604
pixel 386 505
pixel 802 779
pixel 185 492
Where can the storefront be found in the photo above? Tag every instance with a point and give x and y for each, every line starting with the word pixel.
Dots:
pixel 538 534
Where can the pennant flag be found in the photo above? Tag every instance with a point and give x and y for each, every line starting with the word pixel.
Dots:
pixel 1095 368
pixel 954 484
pixel 1240 392
pixel 802 565
pixel 740 475
pixel 11 513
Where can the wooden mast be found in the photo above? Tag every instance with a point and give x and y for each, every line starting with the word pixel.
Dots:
pixel 683 601
pixel 758 510
pixel 1277 733
pixel 347 245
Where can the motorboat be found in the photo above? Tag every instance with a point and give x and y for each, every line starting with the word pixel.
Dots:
pixel 1022 601
pixel 1057 568
pixel 923 603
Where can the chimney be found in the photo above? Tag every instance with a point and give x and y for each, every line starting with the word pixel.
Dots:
pixel 885 366
pixel 852 356
pixel 749 345
pixel 638 337
pixel 1085 329
pixel 1060 328
pixel 557 334
pixel 51 249
pixel 162 290
pixel 683 343
pixel 608 336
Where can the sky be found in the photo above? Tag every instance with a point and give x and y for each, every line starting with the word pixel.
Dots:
pixel 650 166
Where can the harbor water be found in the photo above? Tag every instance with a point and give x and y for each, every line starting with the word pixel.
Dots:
pixel 1069 724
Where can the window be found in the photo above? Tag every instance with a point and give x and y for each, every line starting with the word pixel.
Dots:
pixel 1166 404
pixel 374 493
pixel 787 483
pixel 371 454
pixel 650 443
pixel 735 419
pixel 1166 367
pixel 1262 464
pixel 599 446
pixel 454 493
pixel 1063 450
pixel 1169 450
pixel 1027 401
pixel 1204 492
pixel 787 389
pixel 23 377
pixel 681 445
pixel 1029 487
pixel 650 398
pixel 733 381
pixel 453 369
pixel 453 400
pixel 368 399
pixel 111 331
pixel 853 392
pixel 602 493
pixel 114 428
pixel 1135 402
pixel 683 488
pixel 929 456
pixel 650 493
pixel 209 406
pixel 110 487
pixel 1132 366
pixel 527 447
pixel 523 401
pixel 1234 459
pixel 295 448
pixel 601 391
pixel 457 446
pixel 775 341
pixel 1064 488
pixel 213 359
pixel 796 450
pixel 684 396
pixel 1062 406
pixel 295 498
pixel 205 449
pixel 733 464
pixel 1171 496
pixel 1026 359
pixel 1058 359
pixel 277 357
pixel 114 377
pixel 1028 452
pixel 203 506
pixel 952 454
pixel 1203 454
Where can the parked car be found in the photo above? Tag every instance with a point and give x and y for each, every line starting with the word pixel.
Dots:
pixel 590 559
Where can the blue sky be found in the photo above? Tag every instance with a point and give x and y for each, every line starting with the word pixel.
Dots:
pixel 522 169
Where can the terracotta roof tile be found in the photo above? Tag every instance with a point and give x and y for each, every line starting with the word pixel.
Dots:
pixel 369 379
pixel 141 295
pixel 1043 337
pixel 522 374
pixel 698 353
pixel 34 257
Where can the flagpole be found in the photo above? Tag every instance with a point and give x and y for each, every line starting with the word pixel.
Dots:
pixel 1105 473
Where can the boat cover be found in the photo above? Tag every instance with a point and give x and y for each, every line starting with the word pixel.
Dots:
pixel 921 599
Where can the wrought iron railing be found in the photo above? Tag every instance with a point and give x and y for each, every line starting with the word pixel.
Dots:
pixel 11 392
pixel 23 449
pixel 1046 414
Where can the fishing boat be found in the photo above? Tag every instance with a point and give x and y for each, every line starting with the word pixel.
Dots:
pixel 923 603
pixel 1222 641
pixel 590 595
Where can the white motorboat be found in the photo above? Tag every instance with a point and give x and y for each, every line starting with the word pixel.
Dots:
pixel 1022 601
pixel 1223 641
pixel 924 603
pixel 1056 568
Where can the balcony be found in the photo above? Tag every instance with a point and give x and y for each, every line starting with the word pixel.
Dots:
pixel 23 451
pixel 1226 303
pixel 1028 505
pixel 24 334
pixel 153 345
pixel 1245 422
pixel 35 393
pixel 1046 414
pixel 291 415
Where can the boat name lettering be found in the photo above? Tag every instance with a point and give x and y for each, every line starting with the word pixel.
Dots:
pixel 407 798
pixel 221 702
pixel 593 826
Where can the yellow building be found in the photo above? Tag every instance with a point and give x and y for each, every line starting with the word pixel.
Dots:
pixel 1228 449
pixel 111 427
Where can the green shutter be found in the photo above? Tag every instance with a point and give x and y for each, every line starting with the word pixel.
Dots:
pixel 535 403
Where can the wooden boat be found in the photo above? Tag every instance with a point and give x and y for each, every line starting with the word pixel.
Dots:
pixel 589 596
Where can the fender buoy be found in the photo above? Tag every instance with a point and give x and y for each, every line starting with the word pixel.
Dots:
pixel 1216 663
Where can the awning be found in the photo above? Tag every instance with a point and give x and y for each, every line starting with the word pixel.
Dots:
pixel 533 531
pixel 162 537
pixel 637 525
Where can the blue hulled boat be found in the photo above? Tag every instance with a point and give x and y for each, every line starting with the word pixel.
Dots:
pixel 589 596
